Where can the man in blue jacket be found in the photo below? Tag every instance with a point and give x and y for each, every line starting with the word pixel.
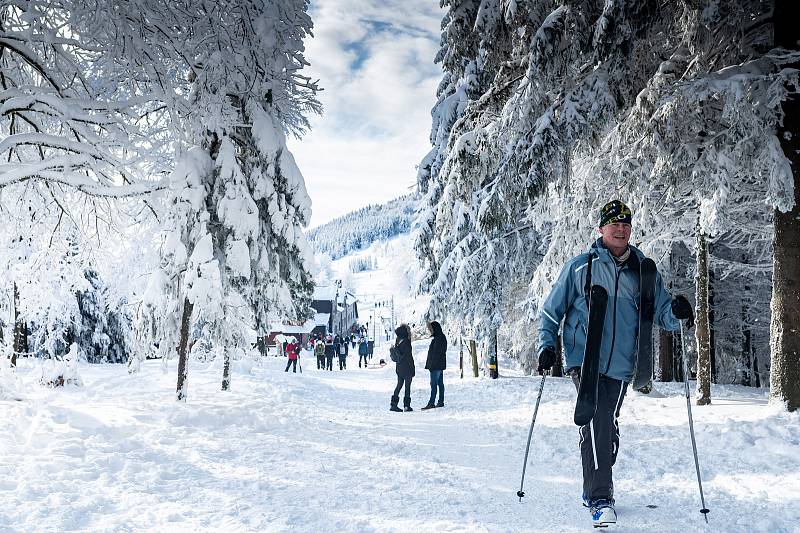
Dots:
pixel 615 266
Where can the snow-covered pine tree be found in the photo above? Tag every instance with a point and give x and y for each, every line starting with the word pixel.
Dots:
pixel 77 134
pixel 103 325
pixel 234 252
pixel 671 107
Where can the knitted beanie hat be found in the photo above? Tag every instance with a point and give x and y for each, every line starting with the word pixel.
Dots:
pixel 615 211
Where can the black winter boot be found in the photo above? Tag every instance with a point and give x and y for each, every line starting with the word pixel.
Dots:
pixel 393 406
pixel 407 404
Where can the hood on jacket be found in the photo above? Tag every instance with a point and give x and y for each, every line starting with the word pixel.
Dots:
pixel 403 331
pixel 436 328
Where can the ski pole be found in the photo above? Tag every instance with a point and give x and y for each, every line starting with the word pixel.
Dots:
pixel 704 510
pixel 520 492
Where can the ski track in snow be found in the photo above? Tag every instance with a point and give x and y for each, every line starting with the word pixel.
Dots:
pixel 320 451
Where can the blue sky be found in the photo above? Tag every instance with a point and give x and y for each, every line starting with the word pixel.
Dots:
pixel 374 59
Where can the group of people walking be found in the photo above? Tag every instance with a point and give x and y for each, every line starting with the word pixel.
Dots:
pixel 330 347
pixel 435 363
pixel 326 348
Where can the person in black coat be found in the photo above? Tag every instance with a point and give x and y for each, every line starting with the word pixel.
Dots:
pixel 342 351
pixel 436 363
pixel 405 367
pixel 330 351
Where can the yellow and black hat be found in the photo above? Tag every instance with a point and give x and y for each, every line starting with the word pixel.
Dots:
pixel 615 211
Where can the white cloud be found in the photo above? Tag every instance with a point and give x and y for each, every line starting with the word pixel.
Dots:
pixel 374 59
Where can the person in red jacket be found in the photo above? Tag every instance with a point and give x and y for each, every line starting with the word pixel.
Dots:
pixel 292 351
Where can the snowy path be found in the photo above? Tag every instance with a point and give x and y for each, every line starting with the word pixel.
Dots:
pixel 320 452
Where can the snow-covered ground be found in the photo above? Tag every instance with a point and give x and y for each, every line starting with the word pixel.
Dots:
pixel 320 452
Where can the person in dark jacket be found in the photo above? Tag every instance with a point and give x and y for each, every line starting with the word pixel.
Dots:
pixel 436 363
pixel 405 367
pixel 362 352
pixel 330 351
pixel 341 351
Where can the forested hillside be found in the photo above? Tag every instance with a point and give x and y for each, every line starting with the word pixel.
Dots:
pixel 364 226
pixel 547 110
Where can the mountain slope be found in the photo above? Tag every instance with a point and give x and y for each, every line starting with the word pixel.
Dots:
pixel 364 226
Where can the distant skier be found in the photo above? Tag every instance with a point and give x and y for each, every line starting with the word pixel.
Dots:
pixel 614 266
pixel 436 364
pixel 292 350
pixel 404 367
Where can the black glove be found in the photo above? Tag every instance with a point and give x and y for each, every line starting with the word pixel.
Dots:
pixel 682 310
pixel 547 359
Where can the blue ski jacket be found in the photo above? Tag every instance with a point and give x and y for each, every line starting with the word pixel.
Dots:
pixel 567 301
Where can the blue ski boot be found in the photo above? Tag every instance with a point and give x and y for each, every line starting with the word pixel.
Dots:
pixel 603 513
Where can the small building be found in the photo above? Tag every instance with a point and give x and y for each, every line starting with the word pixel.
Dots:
pixel 300 331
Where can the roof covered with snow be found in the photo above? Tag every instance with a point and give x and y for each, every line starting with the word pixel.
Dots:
pixel 306 327
pixel 330 293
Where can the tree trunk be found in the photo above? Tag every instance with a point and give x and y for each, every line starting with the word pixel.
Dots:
pixel 20 335
pixel 756 375
pixel 665 355
pixel 461 357
pixel 226 370
pixel 785 326
pixel 702 331
pixel 746 377
pixel 491 360
pixel 183 368
pixel 473 352
pixel 712 345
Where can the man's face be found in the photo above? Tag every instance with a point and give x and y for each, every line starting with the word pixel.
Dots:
pixel 616 235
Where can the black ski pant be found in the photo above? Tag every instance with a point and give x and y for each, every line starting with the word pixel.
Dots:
pixel 342 362
pixel 329 362
pixel 364 357
pixel 400 382
pixel 599 439
pixel 292 362
pixel 320 362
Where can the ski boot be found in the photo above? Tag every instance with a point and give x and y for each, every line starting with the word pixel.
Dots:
pixel 603 513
